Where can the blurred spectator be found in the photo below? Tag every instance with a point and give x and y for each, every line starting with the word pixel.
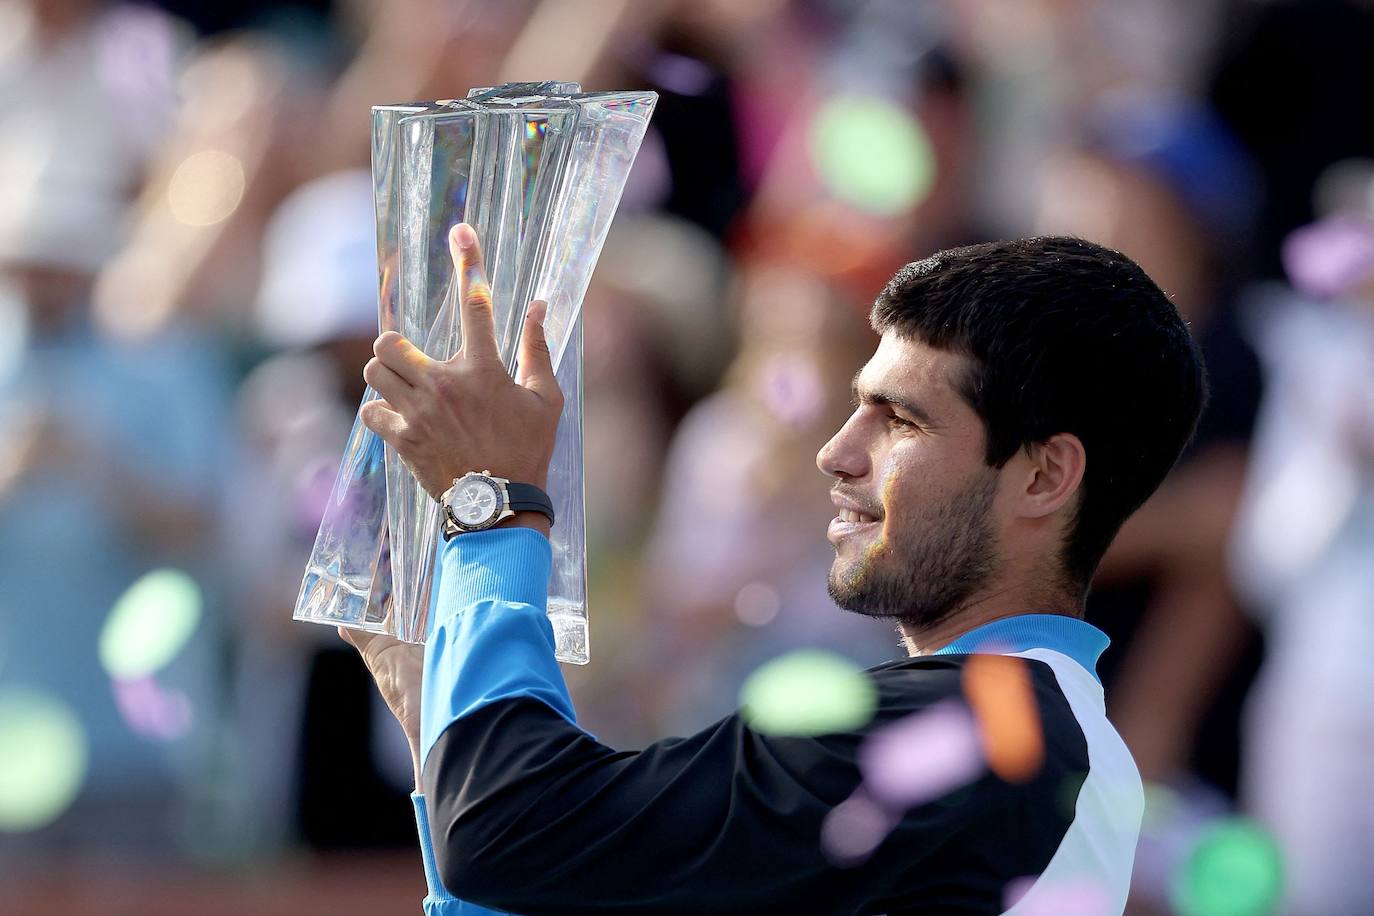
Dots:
pixel 1302 555
pixel 1166 184
pixel 67 177
pixel 110 463
pixel 230 155
pixel 737 560
pixel 1286 80
pixel 657 340
pixel 317 302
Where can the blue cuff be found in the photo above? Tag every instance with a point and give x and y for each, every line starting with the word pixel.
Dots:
pixel 490 638
pixel 437 892
pixel 439 902
pixel 502 564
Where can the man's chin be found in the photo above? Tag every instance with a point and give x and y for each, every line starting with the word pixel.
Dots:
pixel 857 593
pixel 846 588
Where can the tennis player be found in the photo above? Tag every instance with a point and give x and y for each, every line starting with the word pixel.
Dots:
pixel 1025 397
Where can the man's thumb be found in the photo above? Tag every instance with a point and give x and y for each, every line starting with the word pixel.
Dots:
pixel 536 362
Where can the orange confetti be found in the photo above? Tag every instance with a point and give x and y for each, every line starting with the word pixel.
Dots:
pixel 999 689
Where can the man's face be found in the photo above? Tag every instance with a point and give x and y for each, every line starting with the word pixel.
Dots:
pixel 916 535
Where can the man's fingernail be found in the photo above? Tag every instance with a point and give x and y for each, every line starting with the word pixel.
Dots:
pixel 464 236
pixel 539 309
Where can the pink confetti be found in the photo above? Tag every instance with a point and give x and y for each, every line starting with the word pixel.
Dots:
pixel 1040 896
pixel 151 710
pixel 855 828
pixel 923 756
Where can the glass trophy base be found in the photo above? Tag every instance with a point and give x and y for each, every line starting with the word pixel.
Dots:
pixel 333 601
pixel 570 632
pixel 328 599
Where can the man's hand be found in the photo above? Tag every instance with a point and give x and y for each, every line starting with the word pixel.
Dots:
pixel 467 414
pixel 397 667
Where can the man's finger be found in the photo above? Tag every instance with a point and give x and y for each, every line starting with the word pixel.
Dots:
pixel 535 370
pixel 475 306
pixel 403 358
pixel 379 417
pixel 387 383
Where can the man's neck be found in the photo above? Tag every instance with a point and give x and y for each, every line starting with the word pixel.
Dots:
pixel 989 606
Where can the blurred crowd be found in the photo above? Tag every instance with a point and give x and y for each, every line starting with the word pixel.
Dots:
pixel 188 294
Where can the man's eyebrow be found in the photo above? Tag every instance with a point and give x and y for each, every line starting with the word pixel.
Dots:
pixel 864 395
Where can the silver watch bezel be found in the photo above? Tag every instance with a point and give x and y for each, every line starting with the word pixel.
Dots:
pixel 503 510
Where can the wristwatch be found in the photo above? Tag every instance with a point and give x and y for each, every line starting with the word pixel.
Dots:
pixel 477 501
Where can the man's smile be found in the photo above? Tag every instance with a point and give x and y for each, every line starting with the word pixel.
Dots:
pixel 853 518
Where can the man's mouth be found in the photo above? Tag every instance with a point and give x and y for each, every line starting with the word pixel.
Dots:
pixel 850 521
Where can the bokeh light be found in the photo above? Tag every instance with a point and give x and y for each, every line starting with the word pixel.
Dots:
pixel 1235 869
pixel 793 389
pixel 757 604
pixel 872 154
pixel 855 828
pixel 999 690
pixel 1066 896
pixel 152 710
pixel 1163 806
pixel 149 624
pixel 922 756
pixel 206 188
pixel 43 758
pixel 809 692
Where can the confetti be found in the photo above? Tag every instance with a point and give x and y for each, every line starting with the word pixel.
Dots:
pixel 43 759
pixel 805 693
pixel 150 624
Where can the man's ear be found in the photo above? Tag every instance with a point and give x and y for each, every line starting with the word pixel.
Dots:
pixel 1054 474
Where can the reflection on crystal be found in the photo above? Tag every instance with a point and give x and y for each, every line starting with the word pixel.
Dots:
pixel 537 169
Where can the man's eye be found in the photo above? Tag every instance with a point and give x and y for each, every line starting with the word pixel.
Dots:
pixel 894 420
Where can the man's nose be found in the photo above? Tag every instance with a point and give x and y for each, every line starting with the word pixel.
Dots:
pixel 843 455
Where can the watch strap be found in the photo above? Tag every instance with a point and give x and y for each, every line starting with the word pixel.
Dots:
pixel 526 497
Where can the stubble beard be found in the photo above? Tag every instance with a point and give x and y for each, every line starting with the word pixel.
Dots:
pixel 951 553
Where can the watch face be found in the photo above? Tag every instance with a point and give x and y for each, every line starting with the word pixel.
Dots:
pixel 474 501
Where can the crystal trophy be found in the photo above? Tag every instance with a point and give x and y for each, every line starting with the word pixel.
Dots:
pixel 537 169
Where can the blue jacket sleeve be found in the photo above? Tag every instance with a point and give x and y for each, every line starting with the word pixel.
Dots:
pixel 489 633
pixel 489 640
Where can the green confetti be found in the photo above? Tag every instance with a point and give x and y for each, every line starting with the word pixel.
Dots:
pixel 872 154
pixel 805 693
pixel 150 624
pixel 1235 869
pixel 43 759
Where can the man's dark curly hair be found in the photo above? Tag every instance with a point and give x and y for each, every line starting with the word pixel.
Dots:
pixel 1065 337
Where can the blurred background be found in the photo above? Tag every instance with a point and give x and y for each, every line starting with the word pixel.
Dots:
pixel 187 297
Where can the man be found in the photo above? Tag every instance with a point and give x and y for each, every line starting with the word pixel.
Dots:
pixel 1024 399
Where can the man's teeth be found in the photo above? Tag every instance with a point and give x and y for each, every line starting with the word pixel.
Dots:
pixel 849 515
